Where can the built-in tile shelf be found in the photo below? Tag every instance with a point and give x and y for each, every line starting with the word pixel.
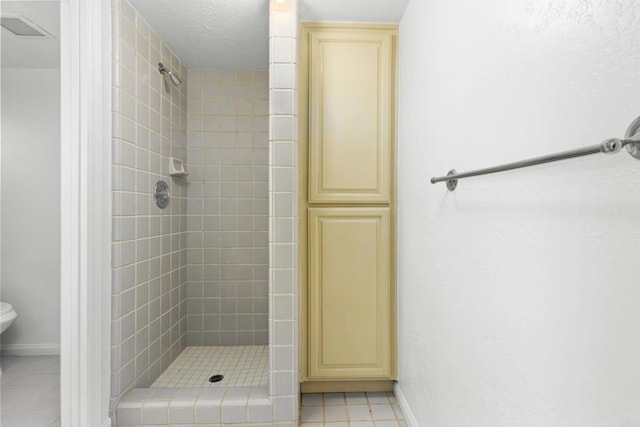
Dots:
pixel 176 168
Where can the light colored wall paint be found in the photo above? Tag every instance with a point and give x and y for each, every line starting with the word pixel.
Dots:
pixel 149 244
pixel 23 52
pixel 519 301
pixel 31 208
pixel 228 207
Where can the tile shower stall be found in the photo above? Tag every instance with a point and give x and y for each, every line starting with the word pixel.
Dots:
pixel 207 285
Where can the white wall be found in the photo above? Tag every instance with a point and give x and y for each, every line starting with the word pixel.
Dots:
pixel 31 208
pixel 519 296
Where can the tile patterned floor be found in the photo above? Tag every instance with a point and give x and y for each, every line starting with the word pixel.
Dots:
pixel 30 391
pixel 350 410
pixel 242 366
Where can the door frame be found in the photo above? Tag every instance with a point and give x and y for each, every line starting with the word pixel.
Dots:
pixel 85 196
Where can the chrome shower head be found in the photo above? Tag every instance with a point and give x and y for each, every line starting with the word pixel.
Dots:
pixel 175 80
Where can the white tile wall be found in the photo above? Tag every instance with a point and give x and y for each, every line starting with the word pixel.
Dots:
pixel 149 244
pixel 276 406
pixel 283 224
pixel 227 208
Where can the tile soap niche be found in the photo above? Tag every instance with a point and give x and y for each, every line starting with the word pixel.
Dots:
pixel 176 167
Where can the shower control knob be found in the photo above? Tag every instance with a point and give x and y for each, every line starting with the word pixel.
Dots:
pixel 161 194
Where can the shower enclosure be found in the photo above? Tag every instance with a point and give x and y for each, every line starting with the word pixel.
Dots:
pixel 194 283
pixel 226 231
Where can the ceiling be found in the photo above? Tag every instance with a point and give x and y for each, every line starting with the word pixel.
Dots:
pixel 234 34
pixel 28 53
pixel 352 10
pixel 220 34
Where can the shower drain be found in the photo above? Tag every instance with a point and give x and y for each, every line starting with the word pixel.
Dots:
pixel 216 378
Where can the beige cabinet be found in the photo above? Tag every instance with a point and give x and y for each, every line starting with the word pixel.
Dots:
pixel 349 299
pixel 350 116
pixel 347 206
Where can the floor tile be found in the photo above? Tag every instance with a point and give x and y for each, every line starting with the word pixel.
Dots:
pixel 312 399
pixel 356 398
pixel 397 410
pixel 30 378
pixel 33 419
pixel 359 412
pixel 30 364
pixel 30 405
pixel 334 399
pixel 391 397
pixel 30 391
pixel 312 414
pixel 335 413
pixel 377 397
pixel 382 412
pixel 350 410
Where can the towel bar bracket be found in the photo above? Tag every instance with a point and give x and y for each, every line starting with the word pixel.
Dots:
pixel 452 183
pixel 633 135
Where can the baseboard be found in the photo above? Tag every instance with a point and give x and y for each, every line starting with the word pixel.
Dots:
pixel 345 386
pixel 409 418
pixel 52 349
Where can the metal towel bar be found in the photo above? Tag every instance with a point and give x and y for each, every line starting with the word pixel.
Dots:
pixel 613 145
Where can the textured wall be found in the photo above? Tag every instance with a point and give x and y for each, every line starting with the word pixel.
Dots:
pixel 519 297
pixel 149 244
pixel 31 209
pixel 227 207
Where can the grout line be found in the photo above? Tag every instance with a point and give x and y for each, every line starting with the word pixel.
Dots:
pixel 323 404
pixel 242 366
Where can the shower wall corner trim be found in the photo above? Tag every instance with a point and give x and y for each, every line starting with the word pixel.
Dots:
pixel 283 188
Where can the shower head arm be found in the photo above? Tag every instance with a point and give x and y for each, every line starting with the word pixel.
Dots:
pixel 162 68
pixel 175 80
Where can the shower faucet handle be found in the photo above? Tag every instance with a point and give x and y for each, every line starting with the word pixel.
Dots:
pixel 161 194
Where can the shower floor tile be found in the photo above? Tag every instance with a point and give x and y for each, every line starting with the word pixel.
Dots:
pixel 241 366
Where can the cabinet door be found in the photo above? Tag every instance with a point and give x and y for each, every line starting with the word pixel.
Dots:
pixel 349 293
pixel 350 115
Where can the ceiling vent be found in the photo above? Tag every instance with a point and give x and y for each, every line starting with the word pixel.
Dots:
pixel 20 26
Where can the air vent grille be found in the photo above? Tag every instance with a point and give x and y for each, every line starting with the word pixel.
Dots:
pixel 20 26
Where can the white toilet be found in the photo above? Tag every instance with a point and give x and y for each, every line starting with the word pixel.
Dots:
pixel 7 315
